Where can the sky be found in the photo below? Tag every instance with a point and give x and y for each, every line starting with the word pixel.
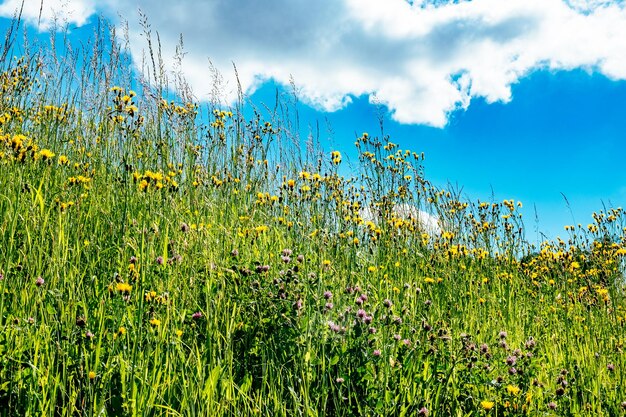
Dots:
pixel 521 99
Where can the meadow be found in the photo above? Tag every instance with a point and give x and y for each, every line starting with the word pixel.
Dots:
pixel 161 256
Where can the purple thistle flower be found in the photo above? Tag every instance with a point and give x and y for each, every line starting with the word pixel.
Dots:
pixel 39 281
pixel 376 353
pixel 328 295
pixel 511 360
pixel 196 315
pixel 159 260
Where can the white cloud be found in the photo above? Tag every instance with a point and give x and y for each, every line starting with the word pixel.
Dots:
pixel 423 59
pixel 45 13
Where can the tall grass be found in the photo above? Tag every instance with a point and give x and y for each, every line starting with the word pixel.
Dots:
pixel 160 256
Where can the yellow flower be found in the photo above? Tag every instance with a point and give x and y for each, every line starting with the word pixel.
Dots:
pixel 487 405
pixel 123 287
pixel 46 154
pixel 179 333
pixel 512 389
pixel 122 330
pixel 155 322
pixel 92 375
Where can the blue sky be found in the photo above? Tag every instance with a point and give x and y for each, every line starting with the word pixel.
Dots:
pixel 517 99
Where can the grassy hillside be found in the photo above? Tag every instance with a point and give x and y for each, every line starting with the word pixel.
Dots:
pixel 165 257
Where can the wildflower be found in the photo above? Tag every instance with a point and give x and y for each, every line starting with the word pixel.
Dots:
pixel 184 227
pixel 340 380
pixel 552 405
pixel 336 157
pixel 196 315
pixel 387 303
pixel 159 260
pixel 92 375
pixel 123 288
pixel 179 333
pixel 155 322
pixel 328 295
pixel 423 412
pixel 610 367
pixel 376 352
pixel 512 389
pixel 502 334
pixel 234 253
pixel 46 154
pixel 121 331
pixel 89 335
pixel 39 281
pixel 487 405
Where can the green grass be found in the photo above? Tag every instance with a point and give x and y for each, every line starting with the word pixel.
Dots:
pixel 177 259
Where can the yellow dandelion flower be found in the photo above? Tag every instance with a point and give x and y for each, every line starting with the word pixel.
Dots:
pixel 123 287
pixel 487 405
pixel 155 322
pixel 92 375
pixel 512 389
pixel 46 154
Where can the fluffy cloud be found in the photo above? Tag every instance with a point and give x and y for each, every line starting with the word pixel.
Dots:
pixel 423 59
pixel 45 13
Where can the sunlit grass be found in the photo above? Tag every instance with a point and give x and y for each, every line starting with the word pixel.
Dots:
pixel 163 257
